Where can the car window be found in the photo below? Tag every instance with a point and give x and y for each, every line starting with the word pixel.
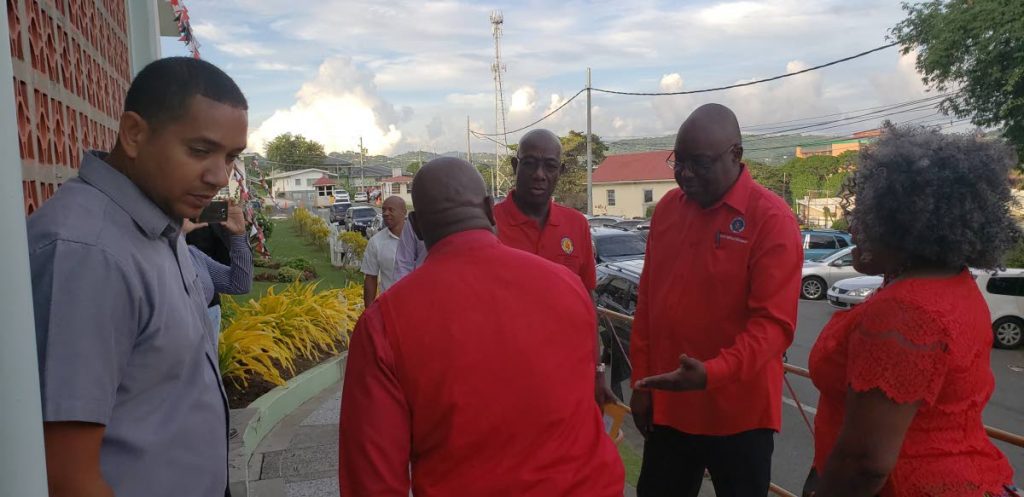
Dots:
pixel 846 260
pixel 619 296
pixel 363 213
pixel 822 242
pixel 620 245
pixel 842 242
pixel 1012 286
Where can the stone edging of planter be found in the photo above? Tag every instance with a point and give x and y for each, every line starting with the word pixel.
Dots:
pixel 259 418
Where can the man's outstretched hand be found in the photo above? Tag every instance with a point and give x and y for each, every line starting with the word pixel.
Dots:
pixel 691 375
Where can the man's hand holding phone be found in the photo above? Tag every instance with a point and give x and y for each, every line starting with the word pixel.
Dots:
pixel 221 211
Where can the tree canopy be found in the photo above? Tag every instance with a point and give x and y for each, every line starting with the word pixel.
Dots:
pixel 973 49
pixel 289 152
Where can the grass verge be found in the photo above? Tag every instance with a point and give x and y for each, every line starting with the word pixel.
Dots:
pixel 286 244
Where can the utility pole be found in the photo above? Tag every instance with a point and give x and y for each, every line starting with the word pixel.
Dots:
pixel 362 164
pixel 469 152
pixel 590 156
pixel 500 130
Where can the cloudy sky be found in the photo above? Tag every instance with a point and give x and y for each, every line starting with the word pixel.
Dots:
pixel 405 75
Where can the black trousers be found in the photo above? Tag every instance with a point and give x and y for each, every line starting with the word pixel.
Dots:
pixel 674 463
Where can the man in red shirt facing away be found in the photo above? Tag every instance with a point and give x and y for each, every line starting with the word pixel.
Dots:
pixel 716 311
pixel 445 372
pixel 529 220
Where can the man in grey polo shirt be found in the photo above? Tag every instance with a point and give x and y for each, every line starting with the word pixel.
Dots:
pixel 132 399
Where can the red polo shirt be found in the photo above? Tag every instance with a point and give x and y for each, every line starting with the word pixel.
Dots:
pixel 475 375
pixel 565 239
pixel 721 285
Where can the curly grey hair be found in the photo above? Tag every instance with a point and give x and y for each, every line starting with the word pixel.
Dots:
pixel 939 199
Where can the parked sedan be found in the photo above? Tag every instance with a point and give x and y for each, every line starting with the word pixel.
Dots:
pixel 612 245
pixel 845 294
pixel 359 218
pixel 627 225
pixel 819 275
pixel 602 221
pixel 818 244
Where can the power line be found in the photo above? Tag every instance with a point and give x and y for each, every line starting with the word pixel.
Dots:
pixel 549 114
pixel 841 122
pixel 770 127
pixel 751 83
pixel 840 138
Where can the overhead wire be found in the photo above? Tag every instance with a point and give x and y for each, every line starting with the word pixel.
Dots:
pixel 750 83
pixel 538 121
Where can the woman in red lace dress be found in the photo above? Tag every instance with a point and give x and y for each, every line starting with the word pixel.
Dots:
pixel 905 376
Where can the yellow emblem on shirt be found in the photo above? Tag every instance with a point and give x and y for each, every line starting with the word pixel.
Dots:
pixel 567 245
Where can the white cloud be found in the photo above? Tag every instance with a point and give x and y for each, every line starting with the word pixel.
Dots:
pixel 233 40
pixel 277 66
pixel 477 100
pixel 523 99
pixel 336 108
pixel 671 83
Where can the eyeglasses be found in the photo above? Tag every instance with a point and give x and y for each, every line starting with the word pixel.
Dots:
pixel 697 164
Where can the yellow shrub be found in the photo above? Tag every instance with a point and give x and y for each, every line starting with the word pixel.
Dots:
pixel 355 242
pixel 319 232
pixel 303 219
pixel 298 321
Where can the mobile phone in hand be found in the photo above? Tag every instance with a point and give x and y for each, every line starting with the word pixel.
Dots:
pixel 216 212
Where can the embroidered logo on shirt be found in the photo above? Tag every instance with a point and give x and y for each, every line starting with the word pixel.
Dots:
pixel 567 245
pixel 738 225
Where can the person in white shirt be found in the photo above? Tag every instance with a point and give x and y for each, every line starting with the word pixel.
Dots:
pixel 379 258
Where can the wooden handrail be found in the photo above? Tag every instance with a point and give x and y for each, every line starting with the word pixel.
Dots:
pixel 777 490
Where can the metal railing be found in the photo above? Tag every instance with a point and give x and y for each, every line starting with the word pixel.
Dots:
pixel 993 433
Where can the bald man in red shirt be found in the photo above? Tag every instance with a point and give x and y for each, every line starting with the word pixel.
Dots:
pixel 530 220
pixel 476 369
pixel 716 311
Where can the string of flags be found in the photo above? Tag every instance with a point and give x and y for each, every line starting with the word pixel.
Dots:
pixel 250 214
pixel 184 27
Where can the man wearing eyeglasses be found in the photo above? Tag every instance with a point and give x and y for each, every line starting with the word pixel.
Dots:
pixel 716 311
pixel 530 220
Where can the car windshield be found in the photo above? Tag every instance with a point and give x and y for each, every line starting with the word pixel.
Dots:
pixel 363 213
pixel 620 245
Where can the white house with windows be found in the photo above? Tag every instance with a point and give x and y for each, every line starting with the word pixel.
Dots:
pixel 626 185
pixel 398 185
pixel 299 186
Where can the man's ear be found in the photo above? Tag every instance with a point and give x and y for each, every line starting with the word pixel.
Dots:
pixel 131 132
pixel 737 152
pixel 489 209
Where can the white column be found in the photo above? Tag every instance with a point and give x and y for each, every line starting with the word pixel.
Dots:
pixel 22 461
pixel 143 32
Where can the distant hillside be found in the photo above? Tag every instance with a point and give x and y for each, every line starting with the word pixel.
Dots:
pixel 771 150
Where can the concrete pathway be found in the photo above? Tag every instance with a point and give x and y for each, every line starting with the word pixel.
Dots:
pixel 299 457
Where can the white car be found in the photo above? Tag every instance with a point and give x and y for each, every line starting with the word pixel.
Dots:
pixel 361 197
pixel 850 292
pixel 1003 292
pixel 341 196
pixel 821 274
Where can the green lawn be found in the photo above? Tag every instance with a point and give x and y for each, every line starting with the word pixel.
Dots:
pixel 631 460
pixel 287 243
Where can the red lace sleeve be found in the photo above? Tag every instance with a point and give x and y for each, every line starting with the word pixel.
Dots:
pixel 900 348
